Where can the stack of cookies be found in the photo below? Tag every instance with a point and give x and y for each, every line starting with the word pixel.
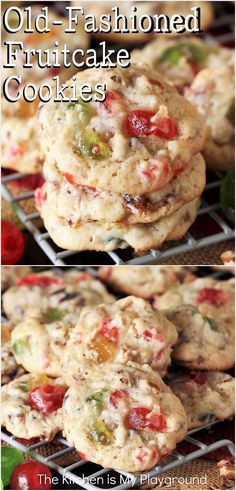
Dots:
pixel 123 172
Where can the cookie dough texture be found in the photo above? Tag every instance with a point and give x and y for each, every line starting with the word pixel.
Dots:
pixel 81 203
pixel 206 397
pixel 66 135
pixel 203 343
pixel 180 59
pixel 17 415
pixel 144 281
pixel 213 298
pixel 213 94
pixel 68 292
pixel 39 341
pixel 9 367
pixel 127 330
pixel 96 419
pixel 100 236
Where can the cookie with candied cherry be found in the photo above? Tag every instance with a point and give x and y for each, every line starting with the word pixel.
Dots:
pixel 9 366
pixel 20 144
pixel 32 406
pixel 180 59
pixel 213 94
pixel 84 203
pixel 206 396
pixel 38 342
pixel 133 142
pixel 104 236
pixel 44 41
pixel 127 330
pixel 214 299
pixel 204 343
pixel 123 417
pixel 144 281
pixel 50 291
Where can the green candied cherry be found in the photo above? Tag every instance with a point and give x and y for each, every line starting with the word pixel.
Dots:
pixel 212 323
pixel 96 400
pixel 85 110
pixel 230 115
pixel 193 53
pixel 24 386
pixel 53 315
pixel 90 145
pixel 20 346
pixel 100 433
pixel 10 458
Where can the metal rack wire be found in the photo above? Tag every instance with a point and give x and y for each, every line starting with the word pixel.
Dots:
pixel 75 470
pixel 222 31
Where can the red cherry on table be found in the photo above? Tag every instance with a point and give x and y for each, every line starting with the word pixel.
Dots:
pixel 31 475
pixel 13 243
pixel 47 398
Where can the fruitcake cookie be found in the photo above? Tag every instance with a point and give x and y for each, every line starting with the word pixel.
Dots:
pixel 179 60
pixel 9 367
pixel 20 145
pixel 212 92
pixel 214 299
pixel 49 290
pixel 39 341
pixel 44 41
pixel 144 281
pixel 82 203
pixel 10 274
pixel 206 396
pixel 101 236
pixel 127 330
pixel 31 406
pixel 143 129
pixel 203 342
pixel 123 417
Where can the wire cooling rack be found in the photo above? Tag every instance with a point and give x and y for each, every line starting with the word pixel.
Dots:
pixel 209 228
pixel 64 459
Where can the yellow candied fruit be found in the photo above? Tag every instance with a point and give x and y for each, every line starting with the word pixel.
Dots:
pixel 105 349
pixel 38 380
pixel 27 109
pixel 6 334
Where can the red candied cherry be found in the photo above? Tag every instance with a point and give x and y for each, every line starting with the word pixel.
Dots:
pixel 137 419
pixel 43 281
pixel 12 242
pixel 31 474
pixel 111 98
pixel 69 178
pixel 84 276
pixel 214 296
pixel 83 456
pixel 40 195
pixel 47 398
pixel 199 377
pixel 109 331
pixel 117 396
pixel 138 124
